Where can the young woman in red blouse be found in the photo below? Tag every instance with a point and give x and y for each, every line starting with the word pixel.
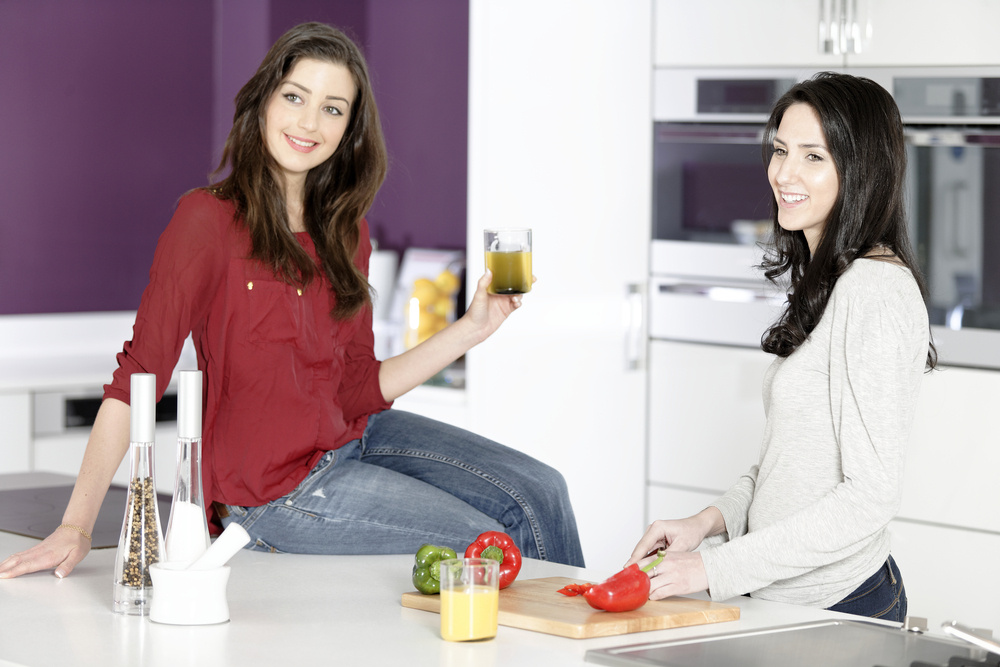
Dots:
pixel 267 270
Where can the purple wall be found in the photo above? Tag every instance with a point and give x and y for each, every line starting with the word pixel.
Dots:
pixel 419 52
pixel 105 126
pixel 105 105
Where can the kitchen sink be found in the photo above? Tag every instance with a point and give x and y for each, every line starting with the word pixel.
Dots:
pixel 833 643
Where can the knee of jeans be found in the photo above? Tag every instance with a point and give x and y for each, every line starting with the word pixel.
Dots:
pixel 551 479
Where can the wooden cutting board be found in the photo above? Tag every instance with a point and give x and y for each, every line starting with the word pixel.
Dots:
pixel 536 604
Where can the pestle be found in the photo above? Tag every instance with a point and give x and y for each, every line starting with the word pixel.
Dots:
pixel 225 547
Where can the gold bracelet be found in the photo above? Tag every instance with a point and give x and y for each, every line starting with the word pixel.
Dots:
pixel 77 529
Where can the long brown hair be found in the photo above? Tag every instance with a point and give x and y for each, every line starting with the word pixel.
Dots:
pixel 337 192
pixel 864 133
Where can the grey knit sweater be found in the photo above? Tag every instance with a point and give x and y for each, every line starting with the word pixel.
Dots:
pixel 808 524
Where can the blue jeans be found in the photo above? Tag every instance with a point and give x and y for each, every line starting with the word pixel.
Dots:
pixel 881 596
pixel 411 481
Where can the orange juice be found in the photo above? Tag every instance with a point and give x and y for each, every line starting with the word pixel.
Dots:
pixel 511 272
pixel 469 613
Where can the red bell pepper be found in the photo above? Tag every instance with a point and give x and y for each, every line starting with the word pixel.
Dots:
pixel 498 546
pixel 625 591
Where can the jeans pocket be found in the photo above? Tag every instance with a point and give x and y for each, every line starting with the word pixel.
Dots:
pixel 260 545
pixel 880 596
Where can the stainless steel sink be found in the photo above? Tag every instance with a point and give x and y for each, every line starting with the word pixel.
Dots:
pixel 818 644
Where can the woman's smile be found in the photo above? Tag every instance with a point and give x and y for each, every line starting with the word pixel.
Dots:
pixel 303 145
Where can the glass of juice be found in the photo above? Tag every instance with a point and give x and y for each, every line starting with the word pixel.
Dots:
pixel 508 256
pixel 470 595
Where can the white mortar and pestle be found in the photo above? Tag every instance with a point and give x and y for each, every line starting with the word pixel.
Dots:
pixel 195 593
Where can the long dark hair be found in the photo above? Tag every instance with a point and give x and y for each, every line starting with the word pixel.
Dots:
pixel 864 133
pixel 338 192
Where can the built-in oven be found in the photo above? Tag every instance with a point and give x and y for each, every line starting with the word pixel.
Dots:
pixel 952 119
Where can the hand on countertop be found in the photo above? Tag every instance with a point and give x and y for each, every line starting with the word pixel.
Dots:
pixel 61 550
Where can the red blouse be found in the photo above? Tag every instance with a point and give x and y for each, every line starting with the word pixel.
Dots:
pixel 283 381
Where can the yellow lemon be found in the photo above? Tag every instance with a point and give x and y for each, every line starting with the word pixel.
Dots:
pixel 447 282
pixel 425 291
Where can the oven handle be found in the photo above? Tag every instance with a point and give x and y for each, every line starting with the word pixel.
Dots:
pixel 726 293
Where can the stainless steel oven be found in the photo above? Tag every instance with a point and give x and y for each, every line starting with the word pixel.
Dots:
pixel 712 202
pixel 953 150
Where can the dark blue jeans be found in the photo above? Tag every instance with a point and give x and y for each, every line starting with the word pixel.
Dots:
pixel 881 596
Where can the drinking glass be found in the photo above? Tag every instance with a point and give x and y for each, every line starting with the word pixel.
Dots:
pixel 508 257
pixel 470 596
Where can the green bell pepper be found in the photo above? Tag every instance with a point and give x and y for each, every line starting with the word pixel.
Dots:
pixel 425 567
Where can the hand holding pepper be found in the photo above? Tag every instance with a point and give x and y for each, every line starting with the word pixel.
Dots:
pixel 498 546
pixel 425 567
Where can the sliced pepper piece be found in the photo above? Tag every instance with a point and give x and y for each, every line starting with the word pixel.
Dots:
pixel 425 569
pixel 572 590
pixel 498 546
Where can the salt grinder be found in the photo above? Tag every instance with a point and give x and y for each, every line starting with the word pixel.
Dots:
pixel 141 536
pixel 187 531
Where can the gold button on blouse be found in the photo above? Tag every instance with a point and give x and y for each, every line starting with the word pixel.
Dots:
pixel 250 285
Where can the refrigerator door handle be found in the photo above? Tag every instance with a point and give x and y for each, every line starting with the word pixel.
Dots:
pixel 635 327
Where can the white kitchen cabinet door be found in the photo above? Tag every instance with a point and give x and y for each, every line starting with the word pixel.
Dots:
pixel 706 415
pixel 15 417
pixel 560 136
pixel 953 456
pixel 931 33
pixel 737 33
pixel 949 574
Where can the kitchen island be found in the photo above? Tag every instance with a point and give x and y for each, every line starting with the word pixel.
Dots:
pixel 293 609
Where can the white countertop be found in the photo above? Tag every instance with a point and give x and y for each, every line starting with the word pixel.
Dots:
pixel 292 609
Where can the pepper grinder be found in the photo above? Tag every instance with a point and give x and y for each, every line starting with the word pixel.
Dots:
pixel 187 531
pixel 141 536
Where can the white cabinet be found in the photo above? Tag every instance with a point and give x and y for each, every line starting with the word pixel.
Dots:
pixel 737 33
pixel 953 457
pixel 931 33
pixel 15 418
pixel 765 33
pixel 560 140
pixel 706 419
pixel 949 574
pixel 947 536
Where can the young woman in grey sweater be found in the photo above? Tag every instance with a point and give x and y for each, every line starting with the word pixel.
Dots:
pixel 808 524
